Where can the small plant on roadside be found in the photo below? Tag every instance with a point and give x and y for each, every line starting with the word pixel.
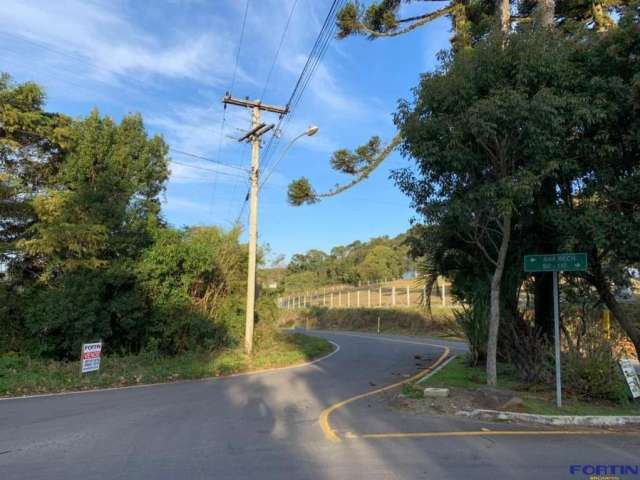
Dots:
pixel 411 391
pixel 474 322
pixel 593 373
pixel 528 351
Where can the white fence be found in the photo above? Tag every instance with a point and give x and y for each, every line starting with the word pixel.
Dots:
pixel 366 297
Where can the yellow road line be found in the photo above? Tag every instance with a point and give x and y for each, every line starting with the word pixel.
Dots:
pixel 331 435
pixel 481 433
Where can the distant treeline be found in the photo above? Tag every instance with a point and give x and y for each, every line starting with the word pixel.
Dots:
pixel 378 259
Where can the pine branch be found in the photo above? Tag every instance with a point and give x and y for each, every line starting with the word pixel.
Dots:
pixel 423 19
pixel 300 191
pixel 366 172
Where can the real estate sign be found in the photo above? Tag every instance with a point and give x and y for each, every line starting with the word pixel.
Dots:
pixel 629 371
pixel 90 359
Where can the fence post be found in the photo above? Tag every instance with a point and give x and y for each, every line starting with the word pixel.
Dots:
pixel 369 298
pixel 348 298
pixel 380 296
pixel 331 300
pixel 393 296
pixel 358 298
pixel 339 298
pixel 408 297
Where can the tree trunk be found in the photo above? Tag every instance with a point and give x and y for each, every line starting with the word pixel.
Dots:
pixel 494 318
pixel 503 15
pixel 546 12
pixel 603 287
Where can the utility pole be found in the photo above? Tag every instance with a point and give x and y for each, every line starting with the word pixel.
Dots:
pixel 257 130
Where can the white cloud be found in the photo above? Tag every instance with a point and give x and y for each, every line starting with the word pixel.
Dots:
pixel 94 36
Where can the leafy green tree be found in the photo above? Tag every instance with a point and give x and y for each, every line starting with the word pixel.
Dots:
pixel 104 198
pixel 484 140
pixel 598 211
pixel 381 262
pixel 32 143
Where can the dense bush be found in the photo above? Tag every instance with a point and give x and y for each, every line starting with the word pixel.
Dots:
pixel 593 373
pixel 84 306
pixel 526 348
pixel 185 291
pixel 195 281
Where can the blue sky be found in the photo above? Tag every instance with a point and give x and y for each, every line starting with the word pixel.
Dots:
pixel 173 60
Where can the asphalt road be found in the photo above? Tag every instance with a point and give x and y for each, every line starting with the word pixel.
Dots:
pixel 266 426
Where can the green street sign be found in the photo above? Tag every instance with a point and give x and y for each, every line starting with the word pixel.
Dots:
pixel 556 262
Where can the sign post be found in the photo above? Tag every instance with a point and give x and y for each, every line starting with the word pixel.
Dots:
pixel 90 358
pixel 568 262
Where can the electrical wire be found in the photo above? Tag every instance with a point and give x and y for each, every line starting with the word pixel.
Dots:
pixel 199 157
pixel 313 60
pixel 197 167
pixel 244 23
pixel 275 58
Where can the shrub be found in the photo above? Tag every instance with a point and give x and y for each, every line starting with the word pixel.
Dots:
pixel 85 306
pixel 527 349
pixel 593 373
pixel 474 322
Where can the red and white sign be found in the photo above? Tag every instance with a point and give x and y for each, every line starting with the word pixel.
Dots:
pixel 90 359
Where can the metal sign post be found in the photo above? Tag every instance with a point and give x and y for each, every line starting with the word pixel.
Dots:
pixel 556 328
pixel 557 262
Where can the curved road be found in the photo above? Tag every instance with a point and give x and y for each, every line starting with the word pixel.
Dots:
pixel 266 426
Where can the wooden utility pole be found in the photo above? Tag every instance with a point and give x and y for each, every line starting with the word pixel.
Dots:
pixel 257 130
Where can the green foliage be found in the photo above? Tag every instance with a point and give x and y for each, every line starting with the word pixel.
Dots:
pixel 354 163
pixel 347 20
pixel 300 192
pixel 378 259
pixel 31 142
pixel 88 254
pixel 103 199
pixel 84 306
pixel 195 281
pixel 593 373
pixel 381 262
pixel 474 322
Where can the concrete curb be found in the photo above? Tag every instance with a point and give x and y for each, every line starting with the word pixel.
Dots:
pixel 433 372
pixel 557 420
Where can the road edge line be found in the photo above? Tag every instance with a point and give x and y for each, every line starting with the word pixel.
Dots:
pixel 331 435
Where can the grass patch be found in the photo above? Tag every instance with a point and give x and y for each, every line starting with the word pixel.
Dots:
pixel 21 375
pixel 540 400
pixel 394 321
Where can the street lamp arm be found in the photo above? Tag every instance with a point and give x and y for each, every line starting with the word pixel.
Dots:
pixel 309 132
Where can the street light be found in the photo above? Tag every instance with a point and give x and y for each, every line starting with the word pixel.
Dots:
pixel 309 132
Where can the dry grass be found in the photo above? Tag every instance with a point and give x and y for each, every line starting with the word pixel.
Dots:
pixel 405 321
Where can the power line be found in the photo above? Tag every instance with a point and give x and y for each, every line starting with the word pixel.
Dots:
pixel 235 68
pixel 199 157
pixel 313 60
pixel 197 167
pixel 275 58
